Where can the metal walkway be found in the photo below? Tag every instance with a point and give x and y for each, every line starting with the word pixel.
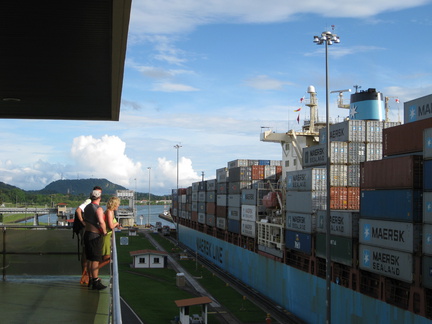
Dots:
pixel 52 300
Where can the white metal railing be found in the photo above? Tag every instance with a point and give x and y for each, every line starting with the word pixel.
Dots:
pixel 115 305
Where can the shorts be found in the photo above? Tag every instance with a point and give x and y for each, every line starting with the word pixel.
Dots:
pixel 93 246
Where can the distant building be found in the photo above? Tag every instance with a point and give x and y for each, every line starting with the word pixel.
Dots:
pixel 133 232
pixel 149 259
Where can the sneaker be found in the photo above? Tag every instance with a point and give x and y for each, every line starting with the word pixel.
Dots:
pixel 97 284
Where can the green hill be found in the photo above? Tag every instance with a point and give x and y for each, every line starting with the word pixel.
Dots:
pixel 81 186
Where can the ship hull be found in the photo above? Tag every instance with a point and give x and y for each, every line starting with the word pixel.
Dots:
pixel 299 292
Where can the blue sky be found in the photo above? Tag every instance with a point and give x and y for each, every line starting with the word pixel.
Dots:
pixel 208 74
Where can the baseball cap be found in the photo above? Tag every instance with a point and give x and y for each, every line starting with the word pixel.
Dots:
pixel 95 194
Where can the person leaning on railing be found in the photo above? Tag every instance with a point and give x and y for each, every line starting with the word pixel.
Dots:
pixel 111 223
pixel 93 238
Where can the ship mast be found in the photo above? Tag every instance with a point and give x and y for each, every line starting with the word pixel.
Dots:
pixel 313 103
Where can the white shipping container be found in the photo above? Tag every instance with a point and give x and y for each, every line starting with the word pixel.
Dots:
pixel 306 202
pixel 234 213
pixel 386 262
pixel 338 175
pixel 307 179
pixel 238 163
pixel 356 152
pixel 317 155
pixel 270 172
pixel 249 213
pixel 300 222
pixel 373 151
pixel 248 228
pixel 353 175
pixel 346 131
pixel 194 195
pixel 183 199
pixel 253 162
pixel 276 162
pixel 221 223
pixel 374 131
pixel 342 223
pixel 222 175
pixel 398 236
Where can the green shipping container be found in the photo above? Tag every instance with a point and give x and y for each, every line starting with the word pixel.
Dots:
pixel 341 248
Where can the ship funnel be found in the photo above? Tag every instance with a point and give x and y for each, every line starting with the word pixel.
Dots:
pixel 367 105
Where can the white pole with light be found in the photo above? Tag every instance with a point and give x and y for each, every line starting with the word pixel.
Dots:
pixel 177 147
pixel 327 38
pixel 148 204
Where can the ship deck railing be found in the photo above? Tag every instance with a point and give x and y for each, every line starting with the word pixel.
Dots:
pixel 41 276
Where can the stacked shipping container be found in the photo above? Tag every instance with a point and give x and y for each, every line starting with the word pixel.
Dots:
pixel 427 209
pixel 231 202
pixel 391 212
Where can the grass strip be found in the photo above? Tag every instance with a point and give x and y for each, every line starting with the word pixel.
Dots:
pixel 150 292
pixel 237 304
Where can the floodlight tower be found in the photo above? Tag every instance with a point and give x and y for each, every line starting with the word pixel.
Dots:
pixel 327 38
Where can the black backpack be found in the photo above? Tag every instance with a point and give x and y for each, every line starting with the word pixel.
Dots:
pixel 76 228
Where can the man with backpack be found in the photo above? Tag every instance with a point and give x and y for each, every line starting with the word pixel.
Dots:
pixel 95 229
pixel 78 229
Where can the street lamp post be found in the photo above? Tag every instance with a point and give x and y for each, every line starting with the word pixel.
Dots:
pixel 177 147
pixel 148 203
pixel 327 38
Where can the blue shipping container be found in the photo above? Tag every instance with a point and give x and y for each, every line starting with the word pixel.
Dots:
pixel 298 241
pixel 263 162
pixel 398 205
pixel 427 175
pixel 233 226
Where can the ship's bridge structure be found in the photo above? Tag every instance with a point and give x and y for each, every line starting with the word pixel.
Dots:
pixel 293 142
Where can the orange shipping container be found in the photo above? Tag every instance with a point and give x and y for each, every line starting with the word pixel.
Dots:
pixel 353 198
pixel 338 197
pixel 257 172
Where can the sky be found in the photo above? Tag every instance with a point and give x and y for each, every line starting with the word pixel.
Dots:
pixel 207 75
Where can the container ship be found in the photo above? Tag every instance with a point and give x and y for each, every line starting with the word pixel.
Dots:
pixel 265 221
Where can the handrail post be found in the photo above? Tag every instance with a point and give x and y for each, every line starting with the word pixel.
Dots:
pixel 115 287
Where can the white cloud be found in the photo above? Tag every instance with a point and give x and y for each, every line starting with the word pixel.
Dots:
pixel 104 158
pixel 182 16
pixel 264 82
pixel 173 87
pixel 187 174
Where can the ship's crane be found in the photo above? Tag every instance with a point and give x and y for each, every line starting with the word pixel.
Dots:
pixel 340 100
